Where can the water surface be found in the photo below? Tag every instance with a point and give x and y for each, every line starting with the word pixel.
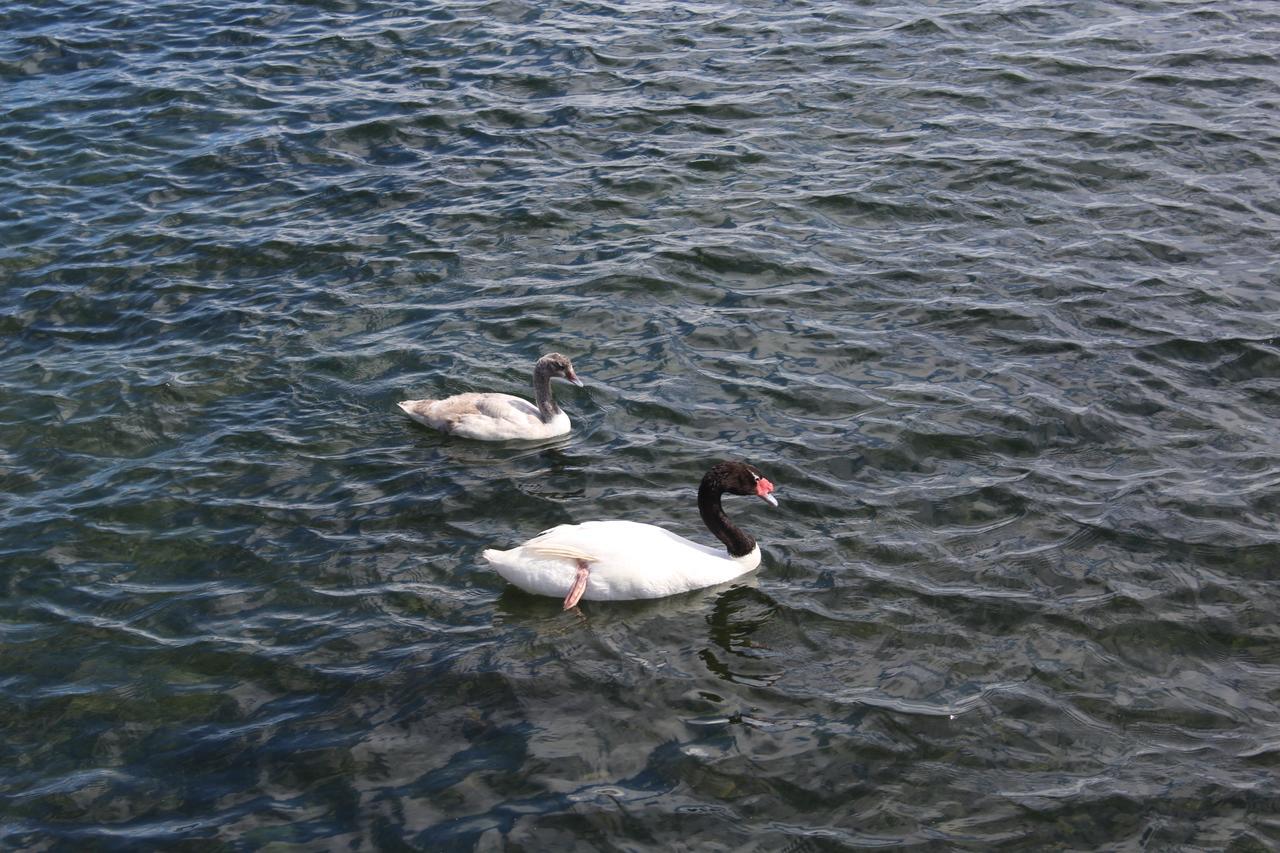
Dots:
pixel 988 289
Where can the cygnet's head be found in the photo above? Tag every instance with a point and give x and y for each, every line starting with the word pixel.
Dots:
pixel 555 364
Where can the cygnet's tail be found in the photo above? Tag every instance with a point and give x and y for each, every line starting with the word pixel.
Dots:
pixel 415 407
pixel 418 409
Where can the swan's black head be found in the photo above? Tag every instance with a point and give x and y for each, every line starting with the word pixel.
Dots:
pixel 739 478
pixel 555 364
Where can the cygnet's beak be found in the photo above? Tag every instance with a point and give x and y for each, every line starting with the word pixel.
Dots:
pixel 573 377
pixel 765 490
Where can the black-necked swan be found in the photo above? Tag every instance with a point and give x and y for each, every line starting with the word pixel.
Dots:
pixel 501 417
pixel 620 560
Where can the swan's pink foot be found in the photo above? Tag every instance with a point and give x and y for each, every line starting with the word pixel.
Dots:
pixel 579 586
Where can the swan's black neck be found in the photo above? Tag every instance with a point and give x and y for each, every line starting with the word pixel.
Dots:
pixel 547 408
pixel 739 543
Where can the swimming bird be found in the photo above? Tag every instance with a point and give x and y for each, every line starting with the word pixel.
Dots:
pixel 501 417
pixel 620 560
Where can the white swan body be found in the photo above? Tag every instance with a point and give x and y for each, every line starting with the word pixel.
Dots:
pixel 487 417
pixel 621 560
pixel 501 417
pixel 627 560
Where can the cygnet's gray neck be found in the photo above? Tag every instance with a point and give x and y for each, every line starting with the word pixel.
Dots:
pixel 547 408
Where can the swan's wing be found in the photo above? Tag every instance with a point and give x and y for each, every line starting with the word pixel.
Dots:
pixel 614 560
pixel 568 552
pixel 611 542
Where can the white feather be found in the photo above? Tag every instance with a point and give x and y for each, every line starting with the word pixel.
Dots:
pixel 627 560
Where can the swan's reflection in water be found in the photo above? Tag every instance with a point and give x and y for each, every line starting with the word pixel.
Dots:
pixel 737 616
pixel 728 618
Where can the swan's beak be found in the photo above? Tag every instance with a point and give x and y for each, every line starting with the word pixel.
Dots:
pixel 765 490
pixel 573 377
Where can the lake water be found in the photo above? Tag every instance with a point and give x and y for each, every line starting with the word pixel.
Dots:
pixel 988 289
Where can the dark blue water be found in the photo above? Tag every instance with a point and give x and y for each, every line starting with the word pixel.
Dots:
pixel 988 289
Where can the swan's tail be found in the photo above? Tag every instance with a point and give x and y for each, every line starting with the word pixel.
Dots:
pixel 493 555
